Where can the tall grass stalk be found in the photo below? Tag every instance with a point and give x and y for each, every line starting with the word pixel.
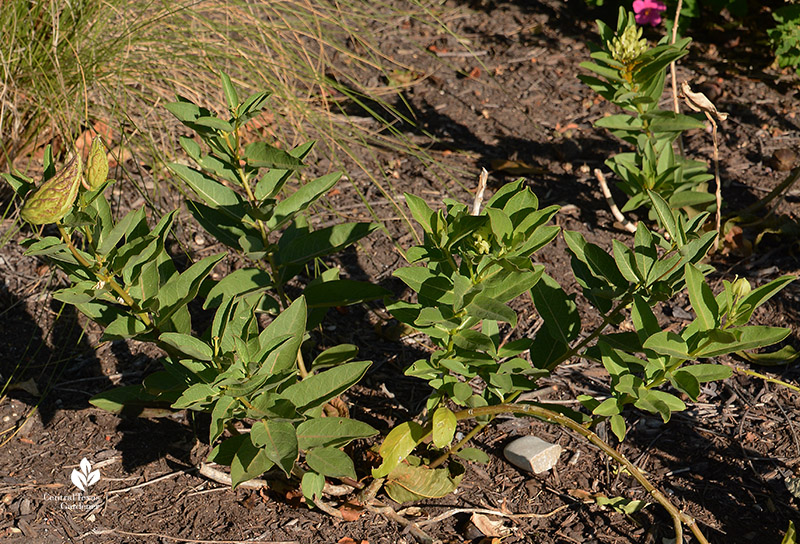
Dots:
pixel 67 64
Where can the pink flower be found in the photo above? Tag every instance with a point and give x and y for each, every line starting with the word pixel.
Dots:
pixel 648 12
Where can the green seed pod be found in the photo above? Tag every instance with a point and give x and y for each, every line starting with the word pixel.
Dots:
pixel 97 165
pixel 55 197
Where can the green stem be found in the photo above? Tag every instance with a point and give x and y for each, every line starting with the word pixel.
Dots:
pixel 766 378
pixel 273 266
pixel 794 175
pixel 679 518
pixel 470 435
pixel 456 447
pixel 105 278
pixel 301 365
pixel 597 332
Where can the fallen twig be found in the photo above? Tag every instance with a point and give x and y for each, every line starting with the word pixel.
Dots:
pixel 182 539
pixel 486 511
pixel 149 482
pixel 207 470
pixel 224 478
pixel 442 54
pixel 627 225
pixel 376 507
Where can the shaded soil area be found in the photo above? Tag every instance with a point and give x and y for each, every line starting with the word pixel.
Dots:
pixel 505 97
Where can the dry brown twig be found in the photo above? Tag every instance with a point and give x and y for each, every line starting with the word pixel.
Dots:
pixel 486 511
pixel 676 106
pixel 482 180
pixel 627 225
pixel 182 539
pixel 208 470
pixel 700 102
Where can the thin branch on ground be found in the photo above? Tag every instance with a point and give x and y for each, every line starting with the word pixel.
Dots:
pixel 150 482
pixel 627 225
pixel 182 539
pixel 207 470
pixel 377 507
pixel 679 518
pixel 328 509
pixel 488 512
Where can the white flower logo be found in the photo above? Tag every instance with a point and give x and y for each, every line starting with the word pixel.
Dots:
pixel 86 476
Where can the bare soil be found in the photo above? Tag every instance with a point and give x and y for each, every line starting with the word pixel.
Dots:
pixel 509 100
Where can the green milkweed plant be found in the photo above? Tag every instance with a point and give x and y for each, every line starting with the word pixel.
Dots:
pixel 270 408
pixel 468 269
pixel 630 74
pixel 266 402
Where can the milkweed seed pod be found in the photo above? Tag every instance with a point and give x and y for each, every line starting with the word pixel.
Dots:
pixel 97 165
pixel 55 197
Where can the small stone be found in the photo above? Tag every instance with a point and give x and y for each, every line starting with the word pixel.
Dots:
pixel 533 454
pixel 783 159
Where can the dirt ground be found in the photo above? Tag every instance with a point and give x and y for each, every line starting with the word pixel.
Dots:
pixel 509 100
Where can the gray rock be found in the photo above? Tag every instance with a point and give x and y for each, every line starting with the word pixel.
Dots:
pixel 533 454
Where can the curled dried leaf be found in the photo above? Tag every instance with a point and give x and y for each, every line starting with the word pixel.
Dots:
pixel 55 197
pixel 700 102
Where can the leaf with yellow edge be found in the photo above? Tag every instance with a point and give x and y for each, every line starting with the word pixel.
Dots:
pixel 407 483
pixel 397 445
pixel 444 426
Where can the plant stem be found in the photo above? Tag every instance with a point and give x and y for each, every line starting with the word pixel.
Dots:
pixel 766 378
pixel 455 447
pixel 105 278
pixel 675 103
pixel 600 328
pixel 718 193
pixel 301 365
pixel 679 518
pixel 273 266
pixel 794 175
pixel 601 179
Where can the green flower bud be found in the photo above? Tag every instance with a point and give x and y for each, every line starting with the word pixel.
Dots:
pixel 55 197
pixel 741 288
pixel 481 245
pixel 97 165
pixel 629 46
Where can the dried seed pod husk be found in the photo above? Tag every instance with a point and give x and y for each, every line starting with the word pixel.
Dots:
pixel 96 165
pixel 700 102
pixel 55 197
